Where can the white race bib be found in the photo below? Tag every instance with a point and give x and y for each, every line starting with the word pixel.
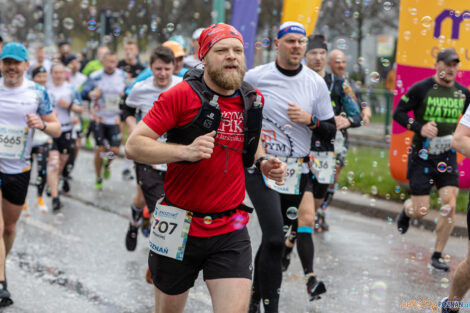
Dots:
pixel 291 181
pixel 12 142
pixel 169 233
pixel 438 145
pixel 324 166
pixel 111 103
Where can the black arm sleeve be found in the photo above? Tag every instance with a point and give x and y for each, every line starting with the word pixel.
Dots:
pixel 326 129
pixel 410 102
pixel 355 121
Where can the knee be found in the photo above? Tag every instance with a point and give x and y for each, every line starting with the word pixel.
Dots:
pixel 53 164
pixel 275 241
pixel 9 230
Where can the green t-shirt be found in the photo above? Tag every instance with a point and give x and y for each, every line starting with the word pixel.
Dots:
pixel 91 67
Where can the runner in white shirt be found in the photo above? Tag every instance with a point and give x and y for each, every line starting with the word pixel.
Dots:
pixel 104 89
pixel 40 60
pixel 24 105
pixel 149 177
pixel 77 80
pixel 296 102
pixel 460 285
pixel 66 100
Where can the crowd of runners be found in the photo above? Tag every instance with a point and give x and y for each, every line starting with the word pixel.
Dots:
pixel 201 135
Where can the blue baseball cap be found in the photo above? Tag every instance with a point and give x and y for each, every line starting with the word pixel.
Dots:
pixel 14 50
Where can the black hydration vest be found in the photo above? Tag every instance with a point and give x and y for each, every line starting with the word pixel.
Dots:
pixel 209 116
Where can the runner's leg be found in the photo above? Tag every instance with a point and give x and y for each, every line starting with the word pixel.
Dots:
pixel 229 295
pixel 170 303
pixel 445 225
pixel 268 269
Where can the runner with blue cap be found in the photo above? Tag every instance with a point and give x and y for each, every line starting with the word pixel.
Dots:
pixel 24 107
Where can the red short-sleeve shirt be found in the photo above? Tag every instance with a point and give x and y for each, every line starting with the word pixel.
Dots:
pixel 210 185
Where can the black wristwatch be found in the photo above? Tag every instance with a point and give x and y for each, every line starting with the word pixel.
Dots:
pixel 314 121
pixel 258 162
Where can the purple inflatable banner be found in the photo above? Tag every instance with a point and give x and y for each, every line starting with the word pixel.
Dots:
pixel 245 19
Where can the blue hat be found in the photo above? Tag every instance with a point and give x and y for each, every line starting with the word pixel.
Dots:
pixel 290 27
pixel 14 50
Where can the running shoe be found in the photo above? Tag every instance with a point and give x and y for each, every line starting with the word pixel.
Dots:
pixel 438 264
pixel 42 206
pixel 315 288
pixel 5 297
pixel 131 237
pixel 403 221
pixel 56 205
pixel 99 184
pixel 127 174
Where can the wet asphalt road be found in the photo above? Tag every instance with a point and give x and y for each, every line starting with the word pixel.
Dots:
pixel 76 261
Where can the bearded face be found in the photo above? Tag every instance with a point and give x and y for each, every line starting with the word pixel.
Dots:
pixel 225 64
pixel 228 75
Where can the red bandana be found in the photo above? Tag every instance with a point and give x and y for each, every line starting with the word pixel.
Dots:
pixel 215 33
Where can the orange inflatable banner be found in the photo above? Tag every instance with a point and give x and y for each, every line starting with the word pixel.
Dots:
pixel 425 28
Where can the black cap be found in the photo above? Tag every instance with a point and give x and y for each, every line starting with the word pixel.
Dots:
pixel 69 59
pixel 37 70
pixel 316 42
pixel 448 55
pixel 62 43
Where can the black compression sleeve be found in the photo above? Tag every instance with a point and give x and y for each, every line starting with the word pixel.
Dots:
pixel 326 129
pixel 355 121
pixel 409 102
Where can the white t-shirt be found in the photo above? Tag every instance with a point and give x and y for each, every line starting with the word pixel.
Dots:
pixel 307 90
pixel 47 64
pixel 191 61
pixel 15 103
pixel 111 87
pixel 69 94
pixel 77 80
pixel 465 120
pixel 144 93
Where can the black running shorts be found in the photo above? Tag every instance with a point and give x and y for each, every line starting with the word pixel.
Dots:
pixel 313 186
pixel 64 144
pixel 440 170
pixel 224 256
pixel 107 134
pixel 15 187
pixel 151 182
